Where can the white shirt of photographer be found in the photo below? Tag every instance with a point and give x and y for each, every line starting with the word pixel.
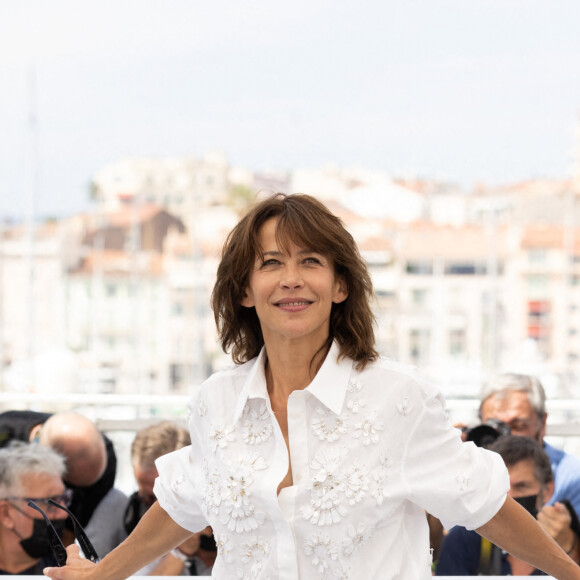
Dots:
pixel 371 451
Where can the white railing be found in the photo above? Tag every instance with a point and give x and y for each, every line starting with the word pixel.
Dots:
pixel 130 411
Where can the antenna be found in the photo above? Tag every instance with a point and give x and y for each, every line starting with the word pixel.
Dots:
pixel 31 221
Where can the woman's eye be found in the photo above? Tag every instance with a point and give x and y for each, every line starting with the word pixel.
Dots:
pixel 312 260
pixel 270 262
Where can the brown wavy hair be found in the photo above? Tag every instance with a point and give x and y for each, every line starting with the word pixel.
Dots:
pixel 308 223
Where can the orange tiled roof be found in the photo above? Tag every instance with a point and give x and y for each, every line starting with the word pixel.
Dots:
pixel 125 216
pixel 550 237
pixel 117 263
pixel 527 187
pixel 375 244
pixel 423 239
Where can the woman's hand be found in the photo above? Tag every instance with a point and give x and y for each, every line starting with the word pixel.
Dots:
pixel 155 535
pixel 77 567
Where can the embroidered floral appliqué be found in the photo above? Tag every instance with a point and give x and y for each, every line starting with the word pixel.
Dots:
pixel 224 547
pixel 212 496
pixel 368 430
pixel 257 426
pixel 464 482
pixel 325 428
pixel 380 478
pixel 177 482
pixel 356 484
pixel 238 512
pixel 202 408
pixel 327 487
pixel 253 436
pixel 354 386
pixel 344 573
pixel 322 550
pixel 355 537
pixel 254 552
pixel 355 404
pixel 404 407
pixel 219 438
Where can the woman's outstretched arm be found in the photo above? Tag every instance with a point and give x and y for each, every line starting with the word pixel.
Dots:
pixel 516 531
pixel 155 535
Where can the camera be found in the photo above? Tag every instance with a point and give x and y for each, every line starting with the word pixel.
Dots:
pixel 485 434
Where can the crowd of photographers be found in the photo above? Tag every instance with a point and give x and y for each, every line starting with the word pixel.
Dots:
pixel 57 485
pixel 543 479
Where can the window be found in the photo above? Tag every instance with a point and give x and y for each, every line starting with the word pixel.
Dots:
pixel 419 297
pixel 420 267
pixel 178 309
pixel 457 342
pixel 537 256
pixel 419 339
pixel 537 287
pixel 465 268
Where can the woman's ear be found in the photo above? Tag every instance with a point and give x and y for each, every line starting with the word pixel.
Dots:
pixel 340 291
pixel 247 299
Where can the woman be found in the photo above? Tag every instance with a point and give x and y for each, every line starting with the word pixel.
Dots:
pixel 313 458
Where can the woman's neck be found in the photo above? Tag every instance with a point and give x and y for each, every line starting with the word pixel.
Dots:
pixel 291 369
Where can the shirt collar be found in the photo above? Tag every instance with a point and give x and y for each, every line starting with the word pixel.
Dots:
pixel 329 385
pixel 331 382
pixel 254 386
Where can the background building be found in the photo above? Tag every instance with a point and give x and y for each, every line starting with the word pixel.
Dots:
pixel 116 302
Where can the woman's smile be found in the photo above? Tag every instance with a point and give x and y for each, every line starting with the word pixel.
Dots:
pixel 293 304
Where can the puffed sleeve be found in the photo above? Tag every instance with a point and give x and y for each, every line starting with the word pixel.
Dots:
pixel 457 482
pixel 180 484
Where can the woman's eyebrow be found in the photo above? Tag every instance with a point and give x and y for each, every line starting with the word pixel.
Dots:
pixel 279 253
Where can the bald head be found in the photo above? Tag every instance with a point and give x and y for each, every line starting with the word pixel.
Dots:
pixel 81 443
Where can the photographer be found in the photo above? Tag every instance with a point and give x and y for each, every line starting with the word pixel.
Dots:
pixel 464 552
pixel 519 401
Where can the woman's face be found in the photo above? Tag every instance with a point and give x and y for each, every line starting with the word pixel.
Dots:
pixel 292 290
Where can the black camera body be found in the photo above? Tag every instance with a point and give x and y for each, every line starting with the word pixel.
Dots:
pixel 485 434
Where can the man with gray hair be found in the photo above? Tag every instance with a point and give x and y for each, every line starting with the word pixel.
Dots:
pixel 91 465
pixel 29 472
pixel 519 401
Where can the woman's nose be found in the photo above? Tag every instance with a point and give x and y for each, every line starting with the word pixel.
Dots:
pixel 291 277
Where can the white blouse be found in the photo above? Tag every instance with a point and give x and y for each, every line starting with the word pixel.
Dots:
pixel 371 451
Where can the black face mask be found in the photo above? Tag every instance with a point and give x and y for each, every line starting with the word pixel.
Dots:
pixel 38 545
pixel 529 503
pixel 134 512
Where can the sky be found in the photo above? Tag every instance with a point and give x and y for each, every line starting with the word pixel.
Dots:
pixel 461 90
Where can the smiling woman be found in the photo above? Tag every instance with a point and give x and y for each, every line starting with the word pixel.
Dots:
pixel 305 224
pixel 315 458
pixel 293 291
